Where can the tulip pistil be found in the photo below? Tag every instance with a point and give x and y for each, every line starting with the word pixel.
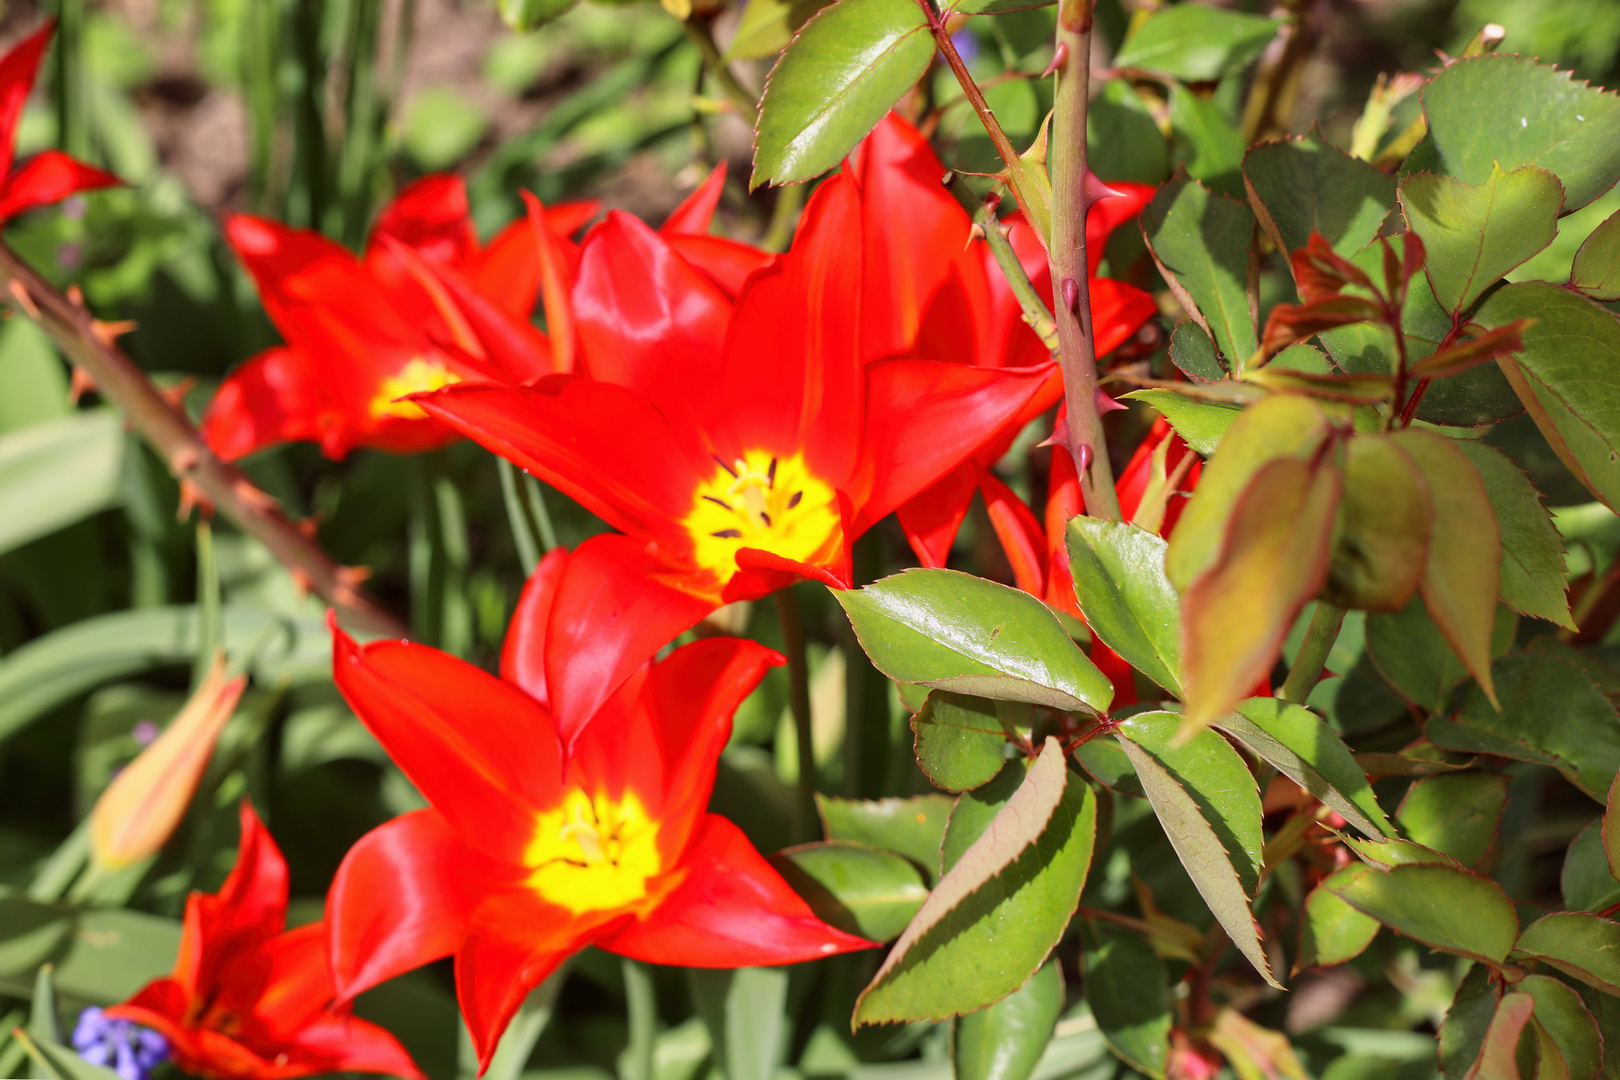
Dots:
pixel 590 854
pixel 418 376
pixel 761 500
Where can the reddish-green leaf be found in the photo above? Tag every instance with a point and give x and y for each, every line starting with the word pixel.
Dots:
pixel 1533 569
pixel 1330 930
pixel 1597 265
pixel 1502 1056
pixel 1456 813
pixel 959 741
pixel 1385 519
pixel 1579 944
pixel 1423 902
pixel 1562 1014
pixel 1119 581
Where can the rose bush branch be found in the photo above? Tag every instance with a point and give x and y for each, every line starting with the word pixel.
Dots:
pixel 170 432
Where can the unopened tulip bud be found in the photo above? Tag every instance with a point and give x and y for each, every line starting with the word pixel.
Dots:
pixel 139 810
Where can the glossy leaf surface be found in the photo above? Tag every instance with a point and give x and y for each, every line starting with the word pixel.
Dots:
pixel 1128 602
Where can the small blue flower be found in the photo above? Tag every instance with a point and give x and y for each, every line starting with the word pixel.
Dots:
pixel 123 1046
pixel 967 45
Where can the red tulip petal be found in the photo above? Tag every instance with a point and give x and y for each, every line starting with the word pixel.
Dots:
pixel 606 447
pixel 732 910
pixel 1107 215
pixel 927 418
pixel 726 263
pixel 401 898
pixel 566 219
pixel 508 271
pixel 337 1043
pixel 510 344
pixel 18 69
pixel 612 610
pixel 49 177
pixel 1063 501
pixel 480 750
pixel 430 216
pixel 1020 534
pixel 1118 310
pixel 272 398
pixel 523 655
pixel 296 987
pixel 514 940
pixel 932 517
pixel 558 262
pixel 648 321
pixel 696 211
pixel 1119 673
pixel 197 1051
pixel 249 909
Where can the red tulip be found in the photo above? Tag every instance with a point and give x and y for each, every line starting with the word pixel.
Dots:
pixel 426 307
pixel 738 446
pixel 50 175
pixel 249 1000
pixel 932 292
pixel 539 840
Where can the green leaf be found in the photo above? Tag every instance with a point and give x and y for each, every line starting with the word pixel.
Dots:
pixel 999 909
pixel 1106 763
pixel 1475 234
pixel 1578 943
pixel 36 382
pixel 1202 240
pixel 1496 109
pixel 1298 186
pixel 67 662
pixel 911 827
pixel 1412 655
pixel 1126 988
pixel 744 1010
pixel 1467 1021
pixel 1205 143
pixel 526 15
pixel 844 69
pixel 1462 575
pixel 1456 813
pixel 1385 518
pixel 1196 43
pixel 1533 569
pixel 1006 1040
pixel 1510 1048
pixel 1283 425
pixel 1564 1016
pixel 1126 143
pixel 1217 865
pixel 960 744
pixel 1597 264
pixel 1330 930
pixel 766 27
pixel 1568 377
pixel 43 1020
pixel 53 1060
pixel 1273 560
pixel 1301 746
pixel 1202 423
pixel 101 955
pixel 442 125
pixel 1193 352
pixel 996 7
pixel 1393 852
pixel 56 472
pixel 1586 881
pixel 1551 713
pixel 1119 581
pixel 953 631
pixel 1420 901
pixel 859 889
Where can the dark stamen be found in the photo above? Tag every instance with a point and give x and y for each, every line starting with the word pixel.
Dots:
pixel 722 463
pixel 797 495
pixel 766 518
pixel 727 534
pixel 770 474
pixel 718 502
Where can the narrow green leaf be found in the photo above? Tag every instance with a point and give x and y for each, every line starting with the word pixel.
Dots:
pixel 911 827
pixel 999 909
pixel 744 1010
pixel 861 890
pixel 1213 869
pixel 959 741
pixel 1578 943
pixel 1393 852
pixel 1126 988
pixel 512 1052
pixel 1586 880
pixel 843 70
pixel 1455 813
pixel 1202 240
pixel 56 1062
pixel 44 1022
pixel 1475 234
pixel 526 15
pixel 953 631
pixel 1533 569
pixel 1193 352
pixel 1005 1041
pixel 1597 264
pixel 1119 582
pixel 1196 43
pixel 56 472
pixel 1202 423
pixel 1385 519
pixel 1330 930
pixel 1496 109
pixel 1298 186
pixel 1419 900
pixel 1467 1021
pixel 1565 1017
pixel 1301 746
pixel 101 956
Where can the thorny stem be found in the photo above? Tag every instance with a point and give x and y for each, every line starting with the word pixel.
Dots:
pixel 169 431
pixel 983 212
pixel 1068 255
pixel 1409 409
pixel 701 34
pixel 1320 635
pixel 791 621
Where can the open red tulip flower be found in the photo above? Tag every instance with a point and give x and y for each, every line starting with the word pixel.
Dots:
pixel 737 446
pixel 249 1000
pixel 934 291
pixel 540 841
pixel 50 175
pixel 427 306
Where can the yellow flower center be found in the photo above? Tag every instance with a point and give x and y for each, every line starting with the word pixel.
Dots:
pixel 593 854
pixel 760 501
pixel 416 377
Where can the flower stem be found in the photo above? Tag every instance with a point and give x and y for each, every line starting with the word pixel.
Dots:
pixel 1072 290
pixel 641 1002
pixel 170 433
pixel 1320 635
pixel 791 621
pixel 983 213
pixel 699 32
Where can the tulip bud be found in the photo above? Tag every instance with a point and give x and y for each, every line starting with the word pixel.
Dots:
pixel 141 807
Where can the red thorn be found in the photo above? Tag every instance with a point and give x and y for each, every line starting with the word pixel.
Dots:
pixel 1094 190
pixel 255 497
pixel 83 383
pixel 19 293
pixel 192 498
pixel 176 394
pixel 1060 56
pixel 1106 404
pixel 1071 294
pixel 300 581
pixel 183 461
